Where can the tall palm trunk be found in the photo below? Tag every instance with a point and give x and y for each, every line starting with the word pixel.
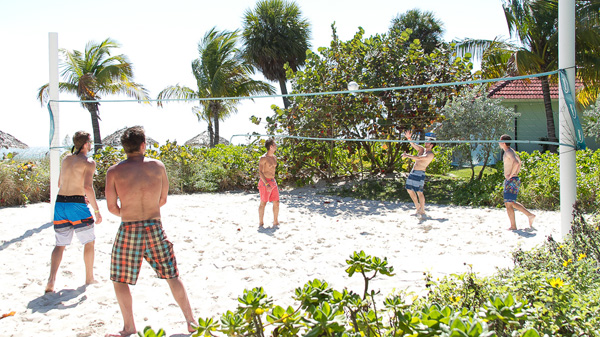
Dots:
pixel 283 87
pixel 549 114
pixel 210 135
pixel 216 126
pixel 93 109
pixel 213 121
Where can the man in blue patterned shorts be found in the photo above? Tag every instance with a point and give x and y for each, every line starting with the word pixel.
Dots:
pixel 416 179
pixel 512 166
pixel 142 186
pixel 71 212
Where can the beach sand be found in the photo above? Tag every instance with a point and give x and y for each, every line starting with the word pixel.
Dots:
pixel 221 251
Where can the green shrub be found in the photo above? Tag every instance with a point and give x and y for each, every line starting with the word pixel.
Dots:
pixel 442 162
pixel 24 182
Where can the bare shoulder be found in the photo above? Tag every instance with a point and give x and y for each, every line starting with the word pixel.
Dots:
pixel 90 162
pixel 154 162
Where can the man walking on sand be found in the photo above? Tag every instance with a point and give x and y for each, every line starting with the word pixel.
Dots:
pixel 512 166
pixel 416 179
pixel 71 212
pixel 267 186
pixel 141 185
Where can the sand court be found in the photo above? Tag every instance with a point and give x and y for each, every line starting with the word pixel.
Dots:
pixel 221 251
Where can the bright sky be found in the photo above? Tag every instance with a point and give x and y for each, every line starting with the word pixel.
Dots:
pixel 160 38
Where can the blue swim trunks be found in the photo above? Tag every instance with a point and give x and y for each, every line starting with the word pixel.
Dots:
pixel 511 189
pixel 415 180
pixel 71 214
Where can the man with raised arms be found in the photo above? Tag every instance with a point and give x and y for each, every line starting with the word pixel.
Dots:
pixel 267 186
pixel 71 212
pixel 512 166
pixel 142 186
pixel 416 179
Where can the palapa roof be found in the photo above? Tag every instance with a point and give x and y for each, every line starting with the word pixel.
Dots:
pixel 8 141
pixel 114 139
pixel 202 140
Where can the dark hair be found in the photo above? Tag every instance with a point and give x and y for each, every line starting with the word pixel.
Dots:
pixel 79 140
pixel 270 142
pixel 505 137
pixel 133 138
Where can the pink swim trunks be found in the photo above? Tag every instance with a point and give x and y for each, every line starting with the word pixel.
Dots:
pixel 268 193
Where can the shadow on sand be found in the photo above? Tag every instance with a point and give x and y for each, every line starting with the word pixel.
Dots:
pixel 331 205
pixel 28 233
pixel 55 300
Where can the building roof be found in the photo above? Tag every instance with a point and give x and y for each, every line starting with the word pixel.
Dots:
pixel 523 89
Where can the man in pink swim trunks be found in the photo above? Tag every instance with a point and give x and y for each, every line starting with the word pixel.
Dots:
pixel 267 186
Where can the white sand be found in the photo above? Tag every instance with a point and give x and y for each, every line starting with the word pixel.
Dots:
pixel 221 252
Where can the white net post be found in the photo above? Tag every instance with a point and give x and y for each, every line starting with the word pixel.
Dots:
pixel 55 142
pixel 568 168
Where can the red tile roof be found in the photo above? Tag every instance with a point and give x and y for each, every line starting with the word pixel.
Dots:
pixel 523 89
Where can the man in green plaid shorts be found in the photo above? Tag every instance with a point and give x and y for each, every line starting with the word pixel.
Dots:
pixel 141 184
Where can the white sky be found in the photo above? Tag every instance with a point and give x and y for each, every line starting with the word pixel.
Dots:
pixel 160 38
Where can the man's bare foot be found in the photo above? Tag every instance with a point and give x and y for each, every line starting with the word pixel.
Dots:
pixel 261 225
pixel 511 229
pixel 49 287
pixel 190 326
pixel 531 219
pixel 275 224
pixel 93 281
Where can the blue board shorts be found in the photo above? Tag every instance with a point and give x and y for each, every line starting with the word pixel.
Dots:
pixel 415 181
pixel 72 215
pixel 511 189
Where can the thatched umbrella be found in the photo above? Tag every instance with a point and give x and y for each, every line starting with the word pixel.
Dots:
pixel 8 141
pixel 202 140
pixel 114 139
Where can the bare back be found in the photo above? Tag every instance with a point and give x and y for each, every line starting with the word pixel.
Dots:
pixel 141 184
pixel 74 171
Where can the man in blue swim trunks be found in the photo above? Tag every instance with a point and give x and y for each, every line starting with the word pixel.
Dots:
pixel 512 166
pixel 141 185
pixel 416 179
pixel 71 212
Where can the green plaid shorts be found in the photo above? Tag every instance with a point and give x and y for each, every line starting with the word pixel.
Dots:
pixel 141 239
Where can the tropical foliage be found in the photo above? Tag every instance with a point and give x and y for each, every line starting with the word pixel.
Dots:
pixel 534 24
pixel 591 116
pixel 94 73
pixel 424 25
pixel 275 34
pixel 373 62
pixel 463 118
pixel 220 71
pixel 551 291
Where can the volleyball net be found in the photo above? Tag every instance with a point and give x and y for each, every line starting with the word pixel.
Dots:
pixel 467 112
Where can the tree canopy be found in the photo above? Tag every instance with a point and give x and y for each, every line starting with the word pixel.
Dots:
pixel 95 73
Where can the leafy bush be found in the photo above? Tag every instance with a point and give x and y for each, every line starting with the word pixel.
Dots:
pixel 23 182
pixel 191 169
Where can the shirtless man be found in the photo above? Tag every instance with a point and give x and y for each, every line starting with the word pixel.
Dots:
pixel 141 185
pixel 512 166
pixel 416 179
pixel 71 213
pixel 267 186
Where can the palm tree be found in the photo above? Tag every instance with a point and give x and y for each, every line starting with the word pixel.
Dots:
pixel 425 26
pixel 275 34
pixel 94 73
pixel 534 23
pixel 220 71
